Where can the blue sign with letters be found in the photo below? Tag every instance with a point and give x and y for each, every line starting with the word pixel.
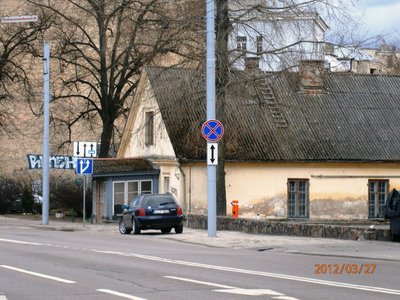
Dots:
pixel 84 166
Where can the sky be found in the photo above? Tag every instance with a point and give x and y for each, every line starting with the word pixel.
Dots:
pixel 379 17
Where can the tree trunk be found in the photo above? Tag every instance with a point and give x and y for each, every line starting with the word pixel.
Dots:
pixel 222 77
pixel 106 136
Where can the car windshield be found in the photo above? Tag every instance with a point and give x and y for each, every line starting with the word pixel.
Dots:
pixel 158 201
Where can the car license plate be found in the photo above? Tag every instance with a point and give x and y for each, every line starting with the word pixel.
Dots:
pixel 161 211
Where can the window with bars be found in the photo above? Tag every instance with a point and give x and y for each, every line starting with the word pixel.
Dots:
pixel 377 193
pixel 149 128
pixel 241 43
pixel 259 45
pixel 298 198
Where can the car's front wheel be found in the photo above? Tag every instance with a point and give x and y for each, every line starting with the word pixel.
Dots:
pixel 122 228
pixel 179 229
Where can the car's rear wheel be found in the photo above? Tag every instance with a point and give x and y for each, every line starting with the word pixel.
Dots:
pixel 166 230
pixel 179 229
pixel 123 229
pixel 395 238
pixel 136 228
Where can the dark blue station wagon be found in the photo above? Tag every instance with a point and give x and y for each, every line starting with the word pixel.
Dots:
pixel 151 211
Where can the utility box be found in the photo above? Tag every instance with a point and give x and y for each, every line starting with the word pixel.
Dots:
pixel 235 208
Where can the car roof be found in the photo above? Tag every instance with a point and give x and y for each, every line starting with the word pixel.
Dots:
pixel 146 196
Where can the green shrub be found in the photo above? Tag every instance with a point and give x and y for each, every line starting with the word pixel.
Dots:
pixel 27 201
pixel 10 192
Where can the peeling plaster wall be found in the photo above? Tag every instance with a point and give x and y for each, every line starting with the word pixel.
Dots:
pixel 196 188
pixel 339 209
pixel 339 198
pixel 171 170
pixel 337 190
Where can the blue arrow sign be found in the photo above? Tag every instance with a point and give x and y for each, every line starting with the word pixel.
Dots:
pixel 84 166
pixel 212 130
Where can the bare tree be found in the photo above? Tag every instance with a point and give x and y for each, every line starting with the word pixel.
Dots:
pixel 102 45
pixel 17 49
pixel 223 27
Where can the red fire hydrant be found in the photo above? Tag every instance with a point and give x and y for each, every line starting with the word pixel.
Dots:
pixel 235 208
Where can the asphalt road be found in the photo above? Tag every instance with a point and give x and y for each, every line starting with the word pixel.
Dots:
pixel 48 264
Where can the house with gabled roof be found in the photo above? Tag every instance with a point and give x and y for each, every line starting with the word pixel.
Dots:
pixel 308 144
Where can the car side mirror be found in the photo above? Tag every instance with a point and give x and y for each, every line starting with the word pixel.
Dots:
pixel 125 208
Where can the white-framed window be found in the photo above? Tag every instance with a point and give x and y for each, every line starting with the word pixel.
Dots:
pixel 146 186
pixel 241 43
pixel 119 193
pixel 378 191
pixel 298 198
pixel 124 191
pixel 133 189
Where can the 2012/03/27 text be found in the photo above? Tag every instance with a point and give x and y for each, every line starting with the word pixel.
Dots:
pixel 345 268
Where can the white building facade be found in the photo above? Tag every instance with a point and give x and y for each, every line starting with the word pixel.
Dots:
pixel 279 37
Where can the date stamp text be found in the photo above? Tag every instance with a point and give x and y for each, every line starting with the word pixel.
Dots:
pixel 345 268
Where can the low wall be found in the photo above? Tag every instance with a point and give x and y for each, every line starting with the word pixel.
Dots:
pixel 340 230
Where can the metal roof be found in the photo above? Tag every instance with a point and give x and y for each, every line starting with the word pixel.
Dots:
pixel 355 118
pixel 113 166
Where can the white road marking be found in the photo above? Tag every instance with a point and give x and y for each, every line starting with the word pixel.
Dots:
pixel 251 292
pixel 235 290
pixel 21 242
pixel 127 296
pixel 37 244
pixel 237 270
pixel 3 297
pixel 256 273
pixel 38 274
pixel 222 286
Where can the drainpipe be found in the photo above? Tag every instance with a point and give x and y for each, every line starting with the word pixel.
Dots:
pixel 184 189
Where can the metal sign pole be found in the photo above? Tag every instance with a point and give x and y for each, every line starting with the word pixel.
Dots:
pixel 84 201
pixel 46 130
pixel 210 86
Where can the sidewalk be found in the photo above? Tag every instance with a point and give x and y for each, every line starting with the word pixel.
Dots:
pixel 381 250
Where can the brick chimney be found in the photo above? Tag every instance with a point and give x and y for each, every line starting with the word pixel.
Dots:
pixel 312 76
pixel 252 64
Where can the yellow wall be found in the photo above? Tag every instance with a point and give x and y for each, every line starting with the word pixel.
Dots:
pixel 136 136
pixel 337 190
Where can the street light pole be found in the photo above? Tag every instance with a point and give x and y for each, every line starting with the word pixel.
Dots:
pixel 210 94
pixel 46 133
